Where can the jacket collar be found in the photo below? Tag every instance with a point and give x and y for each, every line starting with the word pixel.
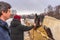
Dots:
pixel 2 23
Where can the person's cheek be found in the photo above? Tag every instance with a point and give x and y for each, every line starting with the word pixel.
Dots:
pixel 8 15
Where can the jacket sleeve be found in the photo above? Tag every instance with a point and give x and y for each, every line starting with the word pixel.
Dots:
pixel 25 28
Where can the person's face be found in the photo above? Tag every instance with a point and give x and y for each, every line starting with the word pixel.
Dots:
pixel 7 14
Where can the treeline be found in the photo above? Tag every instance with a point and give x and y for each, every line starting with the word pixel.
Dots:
pixel 53 11
pixel 50 11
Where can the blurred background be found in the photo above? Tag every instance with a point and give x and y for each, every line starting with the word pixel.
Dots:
pixel 28 9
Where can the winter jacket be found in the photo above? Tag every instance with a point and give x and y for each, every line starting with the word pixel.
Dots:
pixel 17 30
pixel 4 31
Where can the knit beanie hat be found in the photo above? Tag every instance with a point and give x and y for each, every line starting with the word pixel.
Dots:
pixel 18 17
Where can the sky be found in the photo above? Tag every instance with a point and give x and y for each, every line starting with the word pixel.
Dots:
pixel 31 6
